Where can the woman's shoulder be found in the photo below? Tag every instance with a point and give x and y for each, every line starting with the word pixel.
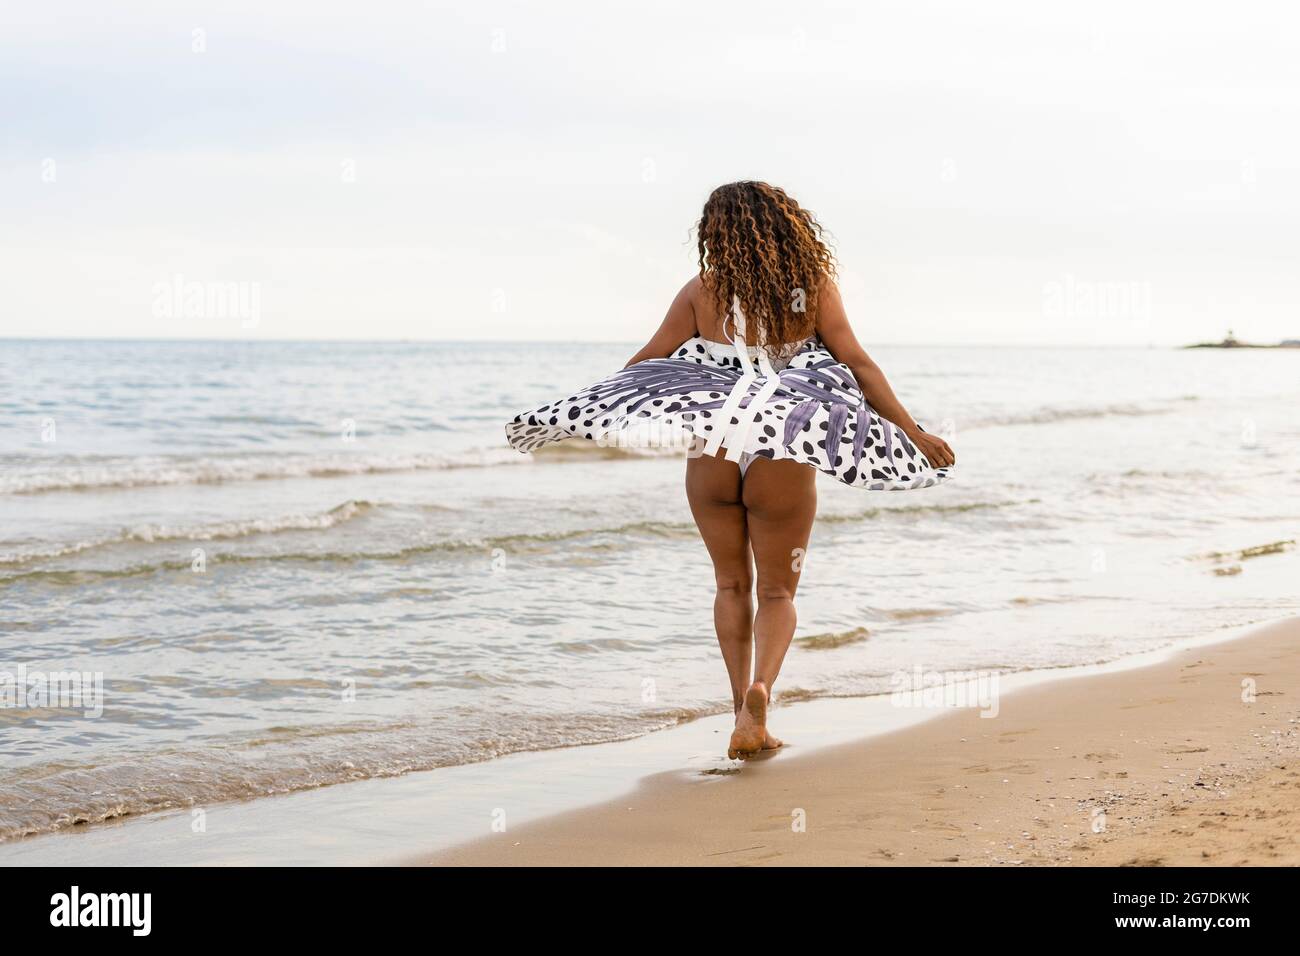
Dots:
pixel 694 288
pixel 707 319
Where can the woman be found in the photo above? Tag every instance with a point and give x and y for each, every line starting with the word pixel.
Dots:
pixel 761 329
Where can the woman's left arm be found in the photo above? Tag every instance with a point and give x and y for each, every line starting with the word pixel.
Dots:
pixel 678 326
pixel 837 335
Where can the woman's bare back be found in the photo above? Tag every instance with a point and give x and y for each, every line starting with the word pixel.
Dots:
pixel 709 322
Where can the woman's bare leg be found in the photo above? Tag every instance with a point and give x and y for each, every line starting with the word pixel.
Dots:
pixel 713 490
pixel 780 499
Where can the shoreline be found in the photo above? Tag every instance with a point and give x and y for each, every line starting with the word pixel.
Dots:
pixel 442 815
pixel 1190 760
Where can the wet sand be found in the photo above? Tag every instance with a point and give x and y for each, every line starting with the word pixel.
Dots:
pixel 1192 760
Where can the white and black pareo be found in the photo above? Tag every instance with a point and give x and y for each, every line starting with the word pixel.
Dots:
pixel 733 397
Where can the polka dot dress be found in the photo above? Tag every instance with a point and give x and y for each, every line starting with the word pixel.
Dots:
pixel 711 394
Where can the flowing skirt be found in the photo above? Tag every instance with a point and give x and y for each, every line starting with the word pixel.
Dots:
pixel 812 411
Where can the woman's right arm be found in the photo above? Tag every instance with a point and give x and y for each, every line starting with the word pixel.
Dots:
pixel 837 335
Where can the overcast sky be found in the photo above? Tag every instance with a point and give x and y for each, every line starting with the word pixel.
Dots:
pixel 991 173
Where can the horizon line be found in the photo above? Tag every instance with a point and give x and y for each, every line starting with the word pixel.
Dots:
pixel 630 342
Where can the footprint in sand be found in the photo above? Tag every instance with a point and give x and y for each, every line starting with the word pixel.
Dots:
pixel 1154 700
pixel 1101 756
pixel 1008 768
pixel 939 827
pixel 1008 737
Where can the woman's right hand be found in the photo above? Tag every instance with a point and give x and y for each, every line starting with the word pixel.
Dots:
pixel 934 448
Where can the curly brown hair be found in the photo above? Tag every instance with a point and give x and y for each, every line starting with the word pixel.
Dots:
pixel 759 245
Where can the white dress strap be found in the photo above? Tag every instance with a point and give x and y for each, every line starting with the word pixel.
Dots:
pixel 770 381
pixel 738 323
pixel 742 347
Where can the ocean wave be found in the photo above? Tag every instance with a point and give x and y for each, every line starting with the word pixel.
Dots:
pixel 220 531
pixel 577 449
pixel 1050 416
pixel 920 613
pixel 144 472
pixel 829 641
pixel 538 542
pixel 937 508
pixel 15 565
pixel 153 472
pixel 1245 554
pixel 518 542
pixel 833 639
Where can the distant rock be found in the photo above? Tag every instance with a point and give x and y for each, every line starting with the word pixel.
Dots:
pixel 1230 341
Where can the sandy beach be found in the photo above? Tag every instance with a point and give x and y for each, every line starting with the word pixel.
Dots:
pixel 1193 760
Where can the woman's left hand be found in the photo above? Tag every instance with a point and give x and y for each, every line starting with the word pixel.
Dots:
pixel 934 448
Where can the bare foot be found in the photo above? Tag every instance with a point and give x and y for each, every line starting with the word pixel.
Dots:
pixel 770 742
pixel 751 724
